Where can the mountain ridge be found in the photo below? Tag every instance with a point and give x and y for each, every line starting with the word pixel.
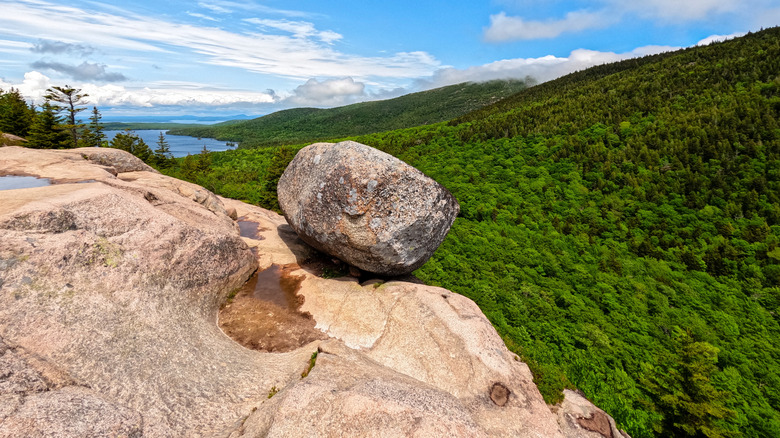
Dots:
pixel 299 125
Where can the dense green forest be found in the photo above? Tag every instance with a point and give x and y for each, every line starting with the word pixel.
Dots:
pixel 620 227
pixel 311 124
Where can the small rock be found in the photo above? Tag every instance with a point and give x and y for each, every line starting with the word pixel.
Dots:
pixel 365 207
pixel 232 213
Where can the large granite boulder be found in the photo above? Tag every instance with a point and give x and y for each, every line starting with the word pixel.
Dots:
pixel 365 207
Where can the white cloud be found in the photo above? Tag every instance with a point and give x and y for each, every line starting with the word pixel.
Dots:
pixel 748 13
pixel 281 55
pixel 299 29
pixel 33 87
pixel 86 71
pixel 166 94
pixel 682 10
pixel 506 28
pixel 214 8
pixel 228 7
pixel 202 16
pixel 718 38
pixel 60 47
pixel 767 18
pixel 539 69
pixel 331 92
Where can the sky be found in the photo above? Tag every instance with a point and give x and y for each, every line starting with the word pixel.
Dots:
pixel 222 58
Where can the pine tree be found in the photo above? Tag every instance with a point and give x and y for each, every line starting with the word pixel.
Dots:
pixel 68 99
pixel 15 116
pixel 93 136
pixel 46 131
pixel 163 152
pixel 130 142
pixel 691 404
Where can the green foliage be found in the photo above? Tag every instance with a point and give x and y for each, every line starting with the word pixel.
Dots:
pixel 162 154
pixel 68 99
pixel 46 131
pixel 683 390
pixel 620 227
pixel 15 116
pixel 129 141
pixel 312 362
pixel 92 135
pixel 308 124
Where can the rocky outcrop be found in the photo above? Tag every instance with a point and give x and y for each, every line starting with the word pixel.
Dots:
pixel 579 418
pixel 109 296
pixel 365 207
pixel 10 139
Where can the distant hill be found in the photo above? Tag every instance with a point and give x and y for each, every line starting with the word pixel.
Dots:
pixel 308 124
pixel 139 126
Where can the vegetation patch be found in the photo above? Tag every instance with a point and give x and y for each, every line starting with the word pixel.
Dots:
pixel 312 362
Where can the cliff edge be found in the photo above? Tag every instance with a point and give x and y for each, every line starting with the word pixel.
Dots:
pixel 112 278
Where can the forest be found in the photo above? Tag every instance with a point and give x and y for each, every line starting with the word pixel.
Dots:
pixel 619 226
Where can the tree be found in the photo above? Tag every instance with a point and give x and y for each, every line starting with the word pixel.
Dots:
pixel 46 131
pixel 163 152
pixel 15 116
pixel 68 99
pixel 203 162
pixel 690 403
pixel 130 142
pixel 92 135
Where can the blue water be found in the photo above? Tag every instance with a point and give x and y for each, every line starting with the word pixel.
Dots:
pixel 180 145
pixel 22 182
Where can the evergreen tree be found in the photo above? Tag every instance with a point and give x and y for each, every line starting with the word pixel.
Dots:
pixel 69 100
pixel 46 131
pixel 162 153
pixel 684 391
pixel 93 136
pixel 130 142
pixel 15 116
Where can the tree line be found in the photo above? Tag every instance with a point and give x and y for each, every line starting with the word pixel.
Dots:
pixel 54 124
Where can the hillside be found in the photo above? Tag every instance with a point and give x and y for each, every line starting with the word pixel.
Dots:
pixel 619 226
pixel 309 124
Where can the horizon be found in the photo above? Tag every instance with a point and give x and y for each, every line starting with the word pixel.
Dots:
pixel 221 58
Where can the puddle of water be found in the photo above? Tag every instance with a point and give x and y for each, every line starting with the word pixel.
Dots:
pixel 22 182
pixel 264 315
pixel 274 286
pixel 250 229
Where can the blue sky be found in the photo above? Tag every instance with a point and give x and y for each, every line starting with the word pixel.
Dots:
pixel 224 57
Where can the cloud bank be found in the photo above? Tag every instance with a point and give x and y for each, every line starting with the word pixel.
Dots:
pixel 540 69
pixel 332 92
pixel 505 28
pixel 283 48
pixel 85 71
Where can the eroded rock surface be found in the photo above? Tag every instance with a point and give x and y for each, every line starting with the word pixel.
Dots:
pixel 109 295
pixel 365 207
pixel 579 418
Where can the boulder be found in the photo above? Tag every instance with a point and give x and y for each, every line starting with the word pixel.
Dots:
pixel 365 207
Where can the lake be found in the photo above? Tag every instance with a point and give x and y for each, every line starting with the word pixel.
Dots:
pixel 180 145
